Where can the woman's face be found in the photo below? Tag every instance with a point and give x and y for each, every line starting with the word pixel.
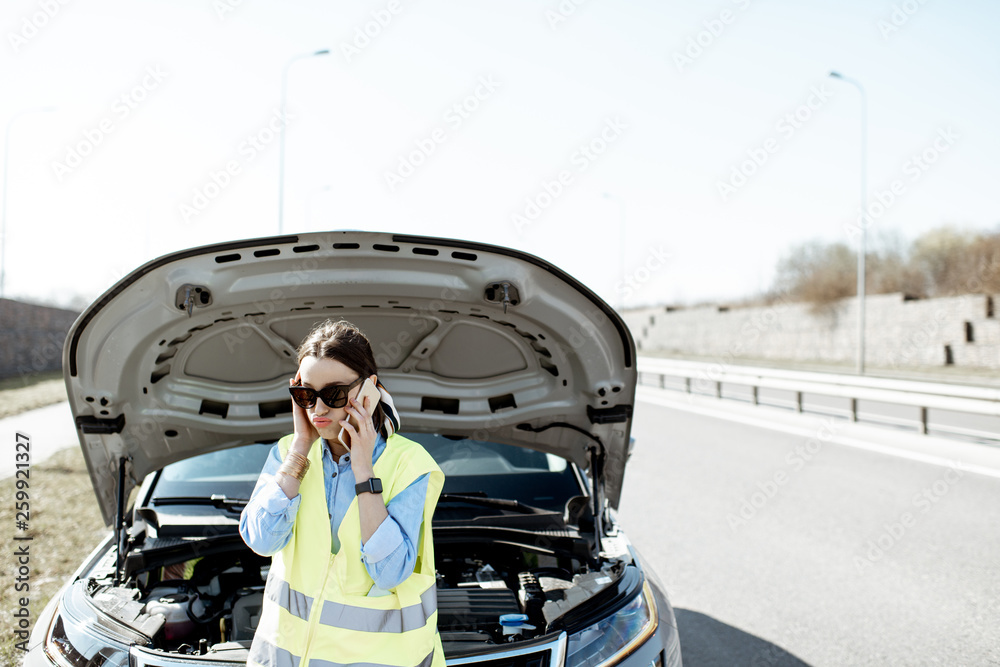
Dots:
pixel 318 373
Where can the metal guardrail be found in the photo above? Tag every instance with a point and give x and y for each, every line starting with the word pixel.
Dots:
pixel 971 400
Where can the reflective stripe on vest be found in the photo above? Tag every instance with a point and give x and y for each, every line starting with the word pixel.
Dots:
pixel 269 655
pixel 350 617
pixel 294 602
pixel 361 619
pixel 316 662
pixel 263 652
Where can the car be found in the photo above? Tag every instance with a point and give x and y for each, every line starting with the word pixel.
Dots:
pixel 516 378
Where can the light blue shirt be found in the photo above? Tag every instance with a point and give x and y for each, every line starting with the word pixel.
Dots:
pixel 389 555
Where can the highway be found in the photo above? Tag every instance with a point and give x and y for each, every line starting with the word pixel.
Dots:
pixel 780 546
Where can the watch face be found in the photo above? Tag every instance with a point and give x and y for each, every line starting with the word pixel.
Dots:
pixel 373 485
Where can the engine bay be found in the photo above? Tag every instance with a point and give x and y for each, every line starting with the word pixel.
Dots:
pixel 489 592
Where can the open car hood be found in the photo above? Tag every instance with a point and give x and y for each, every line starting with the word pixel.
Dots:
pixel 192 352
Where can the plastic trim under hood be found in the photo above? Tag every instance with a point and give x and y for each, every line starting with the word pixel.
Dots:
pixel 192 352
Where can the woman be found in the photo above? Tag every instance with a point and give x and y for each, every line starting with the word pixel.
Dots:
pixel 352 575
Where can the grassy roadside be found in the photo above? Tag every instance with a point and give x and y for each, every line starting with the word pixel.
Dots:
pixel 64 520
pixel 65 525
pixel 19 395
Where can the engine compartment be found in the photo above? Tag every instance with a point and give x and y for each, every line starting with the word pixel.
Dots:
pixel 489 591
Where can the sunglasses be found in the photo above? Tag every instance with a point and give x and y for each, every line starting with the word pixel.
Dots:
pixel 333 395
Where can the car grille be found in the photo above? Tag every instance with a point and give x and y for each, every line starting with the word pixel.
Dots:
pixel 535 653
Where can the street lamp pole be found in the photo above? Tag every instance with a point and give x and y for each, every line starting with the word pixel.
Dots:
pixel 3 204
pixel 281 139
pixel 864 217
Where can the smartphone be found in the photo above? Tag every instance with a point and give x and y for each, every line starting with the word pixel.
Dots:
pixel 368 388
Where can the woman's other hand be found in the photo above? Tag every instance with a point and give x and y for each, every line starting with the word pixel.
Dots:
pixel 305 432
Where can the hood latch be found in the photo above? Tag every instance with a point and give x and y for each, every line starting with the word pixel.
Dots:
pixel 503 292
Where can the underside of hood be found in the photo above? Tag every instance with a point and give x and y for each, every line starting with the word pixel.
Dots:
pixel 192 352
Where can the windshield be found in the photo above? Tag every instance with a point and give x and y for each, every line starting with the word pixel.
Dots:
pixel 475 467
pixel 470 467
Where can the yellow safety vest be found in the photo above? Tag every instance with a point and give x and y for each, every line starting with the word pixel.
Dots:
pixel 316 610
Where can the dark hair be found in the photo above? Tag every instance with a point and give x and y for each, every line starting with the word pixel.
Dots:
pixel 346 343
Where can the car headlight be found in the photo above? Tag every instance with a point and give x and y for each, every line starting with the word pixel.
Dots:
pixel 613 638
pixel 78 637
pixel 74 646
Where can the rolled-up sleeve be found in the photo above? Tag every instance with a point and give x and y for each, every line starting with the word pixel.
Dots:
pixel 391 553
pixel 266 521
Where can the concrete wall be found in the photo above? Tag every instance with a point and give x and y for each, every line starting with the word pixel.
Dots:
pixel 31 337
pixel 898 333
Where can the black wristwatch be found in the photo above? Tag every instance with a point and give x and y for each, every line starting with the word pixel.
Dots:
pixel 371 485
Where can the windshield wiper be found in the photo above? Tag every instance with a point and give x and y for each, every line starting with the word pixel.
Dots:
pixel 216 500
pixel 480 498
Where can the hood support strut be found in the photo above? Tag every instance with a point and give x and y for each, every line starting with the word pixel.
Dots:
pixel 120 533
pixel 596 473
pixel 597 455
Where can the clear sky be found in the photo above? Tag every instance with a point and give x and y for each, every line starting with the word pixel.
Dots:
pixel 710 130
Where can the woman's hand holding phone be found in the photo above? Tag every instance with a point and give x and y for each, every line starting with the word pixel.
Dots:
pixel 355 418
pixel 358 427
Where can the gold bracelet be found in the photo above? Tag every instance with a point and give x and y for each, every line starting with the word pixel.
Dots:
pixel 297 472
pixel 295 465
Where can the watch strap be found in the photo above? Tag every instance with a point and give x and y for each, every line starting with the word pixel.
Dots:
pixel 370 485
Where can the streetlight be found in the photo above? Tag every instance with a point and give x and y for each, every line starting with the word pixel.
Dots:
pixel 621 245
pixel 281 141
pixel 3 205
pixel 864 218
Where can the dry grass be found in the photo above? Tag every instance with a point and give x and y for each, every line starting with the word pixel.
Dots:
pixel 941 262
pixel 66 525
pixel 19 395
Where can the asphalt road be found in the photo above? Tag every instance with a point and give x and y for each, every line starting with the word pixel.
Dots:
pixel 791 549
pixel 781 549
